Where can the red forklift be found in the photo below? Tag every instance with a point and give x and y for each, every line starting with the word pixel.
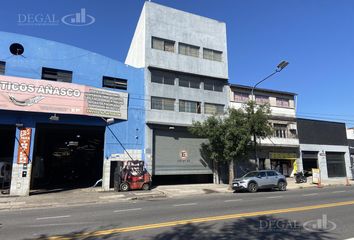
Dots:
pixel 132 175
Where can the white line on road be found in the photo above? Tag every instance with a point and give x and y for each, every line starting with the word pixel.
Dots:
pixel 54 217
pixel 185 204
pixel 339 191
pixel 126 210
pixel 310 194
pixel 58 224
pixel 233 200
pixel 275 197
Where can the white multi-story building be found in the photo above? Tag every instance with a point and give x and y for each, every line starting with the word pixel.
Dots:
pixel 186 75
pixel 281 151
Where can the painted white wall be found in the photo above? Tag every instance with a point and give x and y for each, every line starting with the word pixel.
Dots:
pixel 321 149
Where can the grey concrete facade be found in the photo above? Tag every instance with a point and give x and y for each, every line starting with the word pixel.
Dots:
pixel 180 28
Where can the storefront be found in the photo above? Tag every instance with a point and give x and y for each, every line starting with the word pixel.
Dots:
pixel 64 118
pixel 324 145
pixel 285 163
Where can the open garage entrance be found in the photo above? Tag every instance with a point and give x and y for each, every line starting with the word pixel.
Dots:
pixel 7 142
pixel 67 156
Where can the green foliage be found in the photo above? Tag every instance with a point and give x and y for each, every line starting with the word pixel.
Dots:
pixel 230 136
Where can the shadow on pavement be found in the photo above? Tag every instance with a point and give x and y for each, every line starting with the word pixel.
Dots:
pixel 264 227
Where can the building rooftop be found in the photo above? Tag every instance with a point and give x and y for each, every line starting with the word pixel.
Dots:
pixel 261 89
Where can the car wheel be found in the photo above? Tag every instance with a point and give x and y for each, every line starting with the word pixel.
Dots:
pixel 124 187
pixel 146 186
pixel 252 187
pixel 282 186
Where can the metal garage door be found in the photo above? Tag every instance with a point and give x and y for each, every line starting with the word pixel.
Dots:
pixel 178 152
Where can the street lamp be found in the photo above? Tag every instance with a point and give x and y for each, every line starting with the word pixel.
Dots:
pixel 280 67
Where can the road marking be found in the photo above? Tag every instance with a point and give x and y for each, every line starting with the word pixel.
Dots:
pixel 310 194
pixel 275 197
pixel 233 200
pixel 126 210
pixel 339 191
pixel 185 204
pixel 59 224
pixel 96 234
pixel 54 217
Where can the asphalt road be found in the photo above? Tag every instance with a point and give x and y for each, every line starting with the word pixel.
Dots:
pixel 264 215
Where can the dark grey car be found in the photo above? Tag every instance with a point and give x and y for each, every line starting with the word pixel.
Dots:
pixel 264 179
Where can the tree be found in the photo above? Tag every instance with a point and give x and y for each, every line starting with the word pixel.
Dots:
pixel 230 136
pixel 259 125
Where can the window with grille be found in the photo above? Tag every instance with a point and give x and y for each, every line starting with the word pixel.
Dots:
pixel 215 109
pixel 188 81
pixel 163 103
pixel 2 68
pixel 213 85
pixel 57 75
pixel 280 130
pixel 260 99
pixel 163 44
pixel 162 77
pixel 117 83
pixel 189 106
pixel 241 97
pixel 282 102
pixel 212 54
pixel 188 50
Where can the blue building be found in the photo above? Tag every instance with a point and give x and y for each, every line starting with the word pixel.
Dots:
pixel 63 113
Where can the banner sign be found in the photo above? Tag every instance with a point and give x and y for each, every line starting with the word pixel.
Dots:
pixel 34 95
pixel 285 156
pixel 24 146
pixel 315 175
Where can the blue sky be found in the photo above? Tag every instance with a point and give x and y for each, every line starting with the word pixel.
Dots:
pixel 315 36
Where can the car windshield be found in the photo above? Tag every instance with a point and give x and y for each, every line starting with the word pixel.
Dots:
pixel 250 174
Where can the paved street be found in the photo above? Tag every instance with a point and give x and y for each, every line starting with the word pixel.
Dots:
pixel 266 215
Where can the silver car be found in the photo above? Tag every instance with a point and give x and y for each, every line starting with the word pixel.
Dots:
pixel 264 179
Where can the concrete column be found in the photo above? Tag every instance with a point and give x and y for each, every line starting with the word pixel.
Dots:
pixel 106 174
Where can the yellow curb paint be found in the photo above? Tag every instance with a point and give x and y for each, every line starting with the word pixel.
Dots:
pixel 203 220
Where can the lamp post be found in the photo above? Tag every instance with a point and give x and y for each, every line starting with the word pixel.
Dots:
pixel 280 67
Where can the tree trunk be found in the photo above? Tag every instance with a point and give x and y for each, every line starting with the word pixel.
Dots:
pixel 231 173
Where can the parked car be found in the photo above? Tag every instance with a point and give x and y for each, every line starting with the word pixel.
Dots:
pixel 264 179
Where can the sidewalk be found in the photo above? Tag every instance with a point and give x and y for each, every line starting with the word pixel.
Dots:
pixel 87 196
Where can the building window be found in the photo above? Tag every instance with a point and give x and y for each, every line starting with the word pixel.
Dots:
pixel 216 109
pixel 262 99
pixel 241 97
pixel 280 130
pixel 163 44
pixel 282 102
pixel 58 75
pixel 163 103
pixel 188 81
pixel 335 164
pixel 213 85
pixel 188 50
pixel 117 83
pixel 189 106
pixel 2 68
pixel 212 54
pixel 162 77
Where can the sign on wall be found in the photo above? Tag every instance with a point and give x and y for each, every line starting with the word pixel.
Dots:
pixel 24 143
pixel 23 94
pixel 280 155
